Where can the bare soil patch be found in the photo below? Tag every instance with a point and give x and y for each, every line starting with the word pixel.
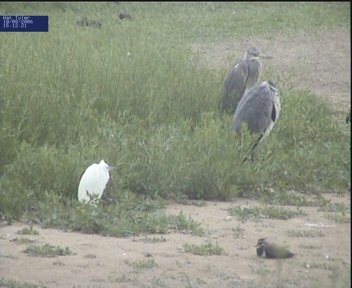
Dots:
pixel 321 261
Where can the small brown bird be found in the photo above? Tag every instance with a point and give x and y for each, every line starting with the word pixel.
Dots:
pixel 272 251
pixel 124 15
pixel 85 22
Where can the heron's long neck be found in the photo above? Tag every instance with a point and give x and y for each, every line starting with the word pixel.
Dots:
pixel 246 56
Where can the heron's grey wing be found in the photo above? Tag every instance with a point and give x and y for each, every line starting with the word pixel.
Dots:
pixel 255 108
pixel 236 79
pixel 253 73
pixel 234 86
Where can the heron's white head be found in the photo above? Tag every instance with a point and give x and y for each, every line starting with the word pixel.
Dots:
pixel 271 86
pixel 261 242
pixel 254 54
pixel 106 166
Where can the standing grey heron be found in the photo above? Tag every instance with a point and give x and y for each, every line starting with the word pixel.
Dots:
pixel 259 108
pixel 240 78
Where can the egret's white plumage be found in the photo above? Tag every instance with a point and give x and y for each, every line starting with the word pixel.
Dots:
pixel 93 181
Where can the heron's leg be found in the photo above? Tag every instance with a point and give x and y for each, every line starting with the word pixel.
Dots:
pixel 251 152
pixel 252 157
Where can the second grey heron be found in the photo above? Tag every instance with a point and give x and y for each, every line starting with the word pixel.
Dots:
pixel 259 108
pixel 240 78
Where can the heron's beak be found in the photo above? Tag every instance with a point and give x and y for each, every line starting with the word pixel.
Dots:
pixel 263 56
pixel 111 167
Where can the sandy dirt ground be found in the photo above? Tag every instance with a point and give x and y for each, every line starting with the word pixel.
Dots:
pixel 321 261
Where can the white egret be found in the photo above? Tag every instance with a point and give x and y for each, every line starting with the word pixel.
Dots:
pixel 93 182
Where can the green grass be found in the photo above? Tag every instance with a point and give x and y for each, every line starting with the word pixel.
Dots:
pixel 47 250
pixel 186 224
pixel 154 239
pixel 132 93
pixel 202 21
pixel 264 212
pixel 206 249
pixel 21 241
pixel 128 215
pixel 8 283
pixel 143 264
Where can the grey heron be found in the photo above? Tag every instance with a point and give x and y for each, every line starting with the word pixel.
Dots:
pixel 259 108
pixel 240 78
pixel 271 250
pixel 93 181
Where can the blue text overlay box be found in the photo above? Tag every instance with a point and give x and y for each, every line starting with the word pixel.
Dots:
pixel 21 23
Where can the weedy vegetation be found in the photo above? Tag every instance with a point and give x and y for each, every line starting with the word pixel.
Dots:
pixel 15 284
pixel 143 264
pixel 21 241
pixel 182 223
pixel 28 231
pixel 135 94
pixel 47 250
pixel 206 249
pixel 264 212
pixel 154 239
